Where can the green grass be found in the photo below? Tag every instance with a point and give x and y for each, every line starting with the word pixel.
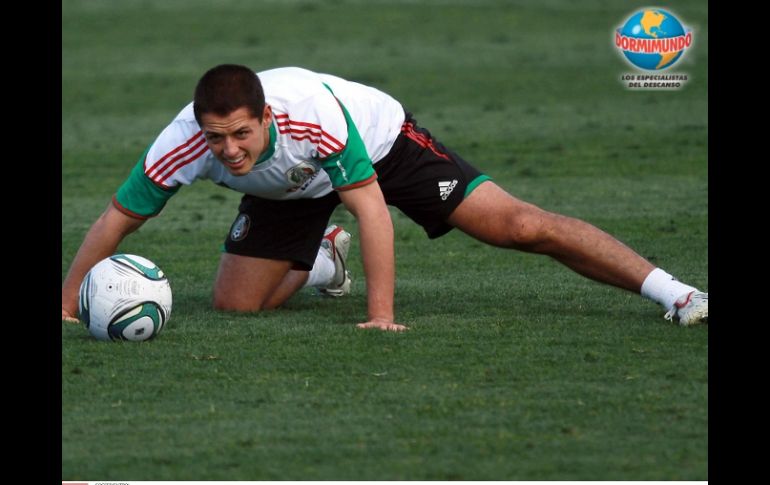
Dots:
pixel 514 367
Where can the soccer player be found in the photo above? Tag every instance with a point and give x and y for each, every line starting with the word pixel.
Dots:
pixel 298 143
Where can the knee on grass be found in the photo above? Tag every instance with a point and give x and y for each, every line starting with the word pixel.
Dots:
pixel 228 304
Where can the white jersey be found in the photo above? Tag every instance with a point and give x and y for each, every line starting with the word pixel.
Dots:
pixel 326 134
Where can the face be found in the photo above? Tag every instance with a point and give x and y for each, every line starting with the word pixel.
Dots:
pixel 238 139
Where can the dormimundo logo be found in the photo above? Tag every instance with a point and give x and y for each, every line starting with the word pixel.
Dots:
pixel 653 39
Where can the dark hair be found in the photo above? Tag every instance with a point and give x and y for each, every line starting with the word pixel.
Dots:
pixel 227 87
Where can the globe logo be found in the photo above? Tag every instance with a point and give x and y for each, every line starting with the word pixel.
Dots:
pixel 652 39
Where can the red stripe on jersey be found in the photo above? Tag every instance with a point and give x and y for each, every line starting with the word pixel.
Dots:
pixel 182 163
pixel 305 137
pixel 311 127
pixel 331 149
pixel 305 123
pixel 306 126
pixel 180 160
pixel 172 152
pixel 334 141
pixel 292 132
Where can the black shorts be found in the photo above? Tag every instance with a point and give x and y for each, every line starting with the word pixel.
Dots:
pixel 289 230
pixel 424 179
pixel 419 176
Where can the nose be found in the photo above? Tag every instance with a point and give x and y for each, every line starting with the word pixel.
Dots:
pixel 230 148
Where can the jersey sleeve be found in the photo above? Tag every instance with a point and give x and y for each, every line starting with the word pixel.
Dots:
pixel 139 196
pixel 163 168
pixel 332 139
pixel 352 167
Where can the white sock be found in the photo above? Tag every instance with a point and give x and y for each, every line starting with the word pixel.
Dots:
pixel 323 271
pixel 663 288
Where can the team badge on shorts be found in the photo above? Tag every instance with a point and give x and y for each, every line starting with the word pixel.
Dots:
pixel 240 227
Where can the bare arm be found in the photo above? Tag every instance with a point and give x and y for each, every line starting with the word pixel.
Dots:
pixel 367 204
pixel 101 241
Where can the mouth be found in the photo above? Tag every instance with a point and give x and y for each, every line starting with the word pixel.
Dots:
pixel 234 163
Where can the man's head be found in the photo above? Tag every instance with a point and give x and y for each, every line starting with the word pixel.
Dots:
pixel 230 108
pixel 227 87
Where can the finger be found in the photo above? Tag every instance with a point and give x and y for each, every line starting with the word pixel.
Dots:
pixel 392 327
pixel 67 317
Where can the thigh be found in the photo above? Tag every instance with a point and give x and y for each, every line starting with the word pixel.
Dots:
pixel 492 215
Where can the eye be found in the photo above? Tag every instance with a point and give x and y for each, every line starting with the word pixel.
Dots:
pixel 213 138
pixel 242 133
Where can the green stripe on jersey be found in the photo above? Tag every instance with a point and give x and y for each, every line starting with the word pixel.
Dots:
pixel 140 195
pixel 352 164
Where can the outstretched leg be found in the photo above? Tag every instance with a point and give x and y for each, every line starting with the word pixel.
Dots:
pixel 491 215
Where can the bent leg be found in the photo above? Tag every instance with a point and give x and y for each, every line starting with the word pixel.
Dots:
pixel 250 284
pixel 291 283
pixel 493 216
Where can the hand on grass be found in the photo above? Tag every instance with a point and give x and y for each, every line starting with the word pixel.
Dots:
pixel 67 317
pixel 384 325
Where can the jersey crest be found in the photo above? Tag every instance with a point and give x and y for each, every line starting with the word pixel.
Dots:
pixel 301 174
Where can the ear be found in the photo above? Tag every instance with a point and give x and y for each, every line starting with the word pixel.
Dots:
pixel 267 114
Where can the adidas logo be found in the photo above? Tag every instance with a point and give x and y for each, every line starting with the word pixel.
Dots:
pixel 446 188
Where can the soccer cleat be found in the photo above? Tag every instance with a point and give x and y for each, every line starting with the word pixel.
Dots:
pixel 336 242
pixel 690 309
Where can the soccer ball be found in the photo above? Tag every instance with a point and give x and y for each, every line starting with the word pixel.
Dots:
pixel 125 297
